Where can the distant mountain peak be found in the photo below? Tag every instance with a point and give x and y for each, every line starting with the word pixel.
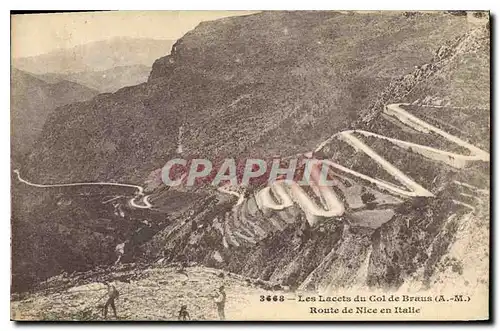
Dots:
pixel 96 56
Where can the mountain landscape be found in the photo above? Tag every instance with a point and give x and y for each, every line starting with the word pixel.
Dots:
pixel 295 72
pixel 335 86
pixel 105 81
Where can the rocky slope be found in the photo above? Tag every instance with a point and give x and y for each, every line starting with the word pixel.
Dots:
pixel 283 80
pixel 104 81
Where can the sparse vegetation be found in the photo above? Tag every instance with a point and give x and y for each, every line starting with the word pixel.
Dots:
pixel 305 76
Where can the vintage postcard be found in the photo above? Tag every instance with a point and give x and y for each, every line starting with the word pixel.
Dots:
pixel 250 166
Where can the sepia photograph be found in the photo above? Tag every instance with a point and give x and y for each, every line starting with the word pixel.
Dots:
pixel 281 165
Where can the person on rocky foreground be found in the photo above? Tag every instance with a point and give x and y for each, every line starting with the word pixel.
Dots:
pixel 112 295
pixel 220 301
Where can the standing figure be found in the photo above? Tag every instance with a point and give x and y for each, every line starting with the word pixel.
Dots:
pixel 112 296
pixel 184 314
pixel 220 301
pixel 182 268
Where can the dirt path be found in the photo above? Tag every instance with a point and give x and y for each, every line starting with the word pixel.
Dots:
pixel 143 203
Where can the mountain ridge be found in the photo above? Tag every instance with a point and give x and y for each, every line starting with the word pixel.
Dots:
pixel 32 101
pixel 199 82
pixel 105 81
pixel 98 55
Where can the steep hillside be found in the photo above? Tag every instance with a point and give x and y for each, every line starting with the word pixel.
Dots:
pixel 77 297
pixel 281 83
pixel 96 56
pixel 105 81
pixel 257 85
pixel 32 100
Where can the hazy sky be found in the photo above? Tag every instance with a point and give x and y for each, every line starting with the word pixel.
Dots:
pixel 36 34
